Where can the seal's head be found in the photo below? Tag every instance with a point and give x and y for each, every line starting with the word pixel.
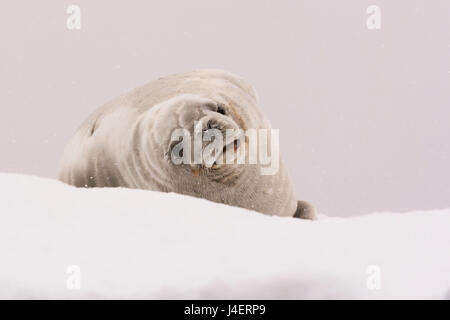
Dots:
pixel 200 136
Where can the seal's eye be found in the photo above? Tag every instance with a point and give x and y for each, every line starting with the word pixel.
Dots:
pixel 221 110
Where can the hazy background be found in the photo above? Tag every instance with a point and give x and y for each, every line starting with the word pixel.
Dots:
pixel 363 114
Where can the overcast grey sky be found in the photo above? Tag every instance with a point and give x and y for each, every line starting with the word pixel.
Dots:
pixel 363 114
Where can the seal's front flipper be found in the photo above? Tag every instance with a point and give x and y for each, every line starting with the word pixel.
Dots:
pixel 305 211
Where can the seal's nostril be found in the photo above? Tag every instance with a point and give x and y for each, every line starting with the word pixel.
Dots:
pixel 221 110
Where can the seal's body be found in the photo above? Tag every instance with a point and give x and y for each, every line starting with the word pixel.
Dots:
pixel 126 143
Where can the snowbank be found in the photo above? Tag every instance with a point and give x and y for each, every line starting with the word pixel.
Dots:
pixel 141 244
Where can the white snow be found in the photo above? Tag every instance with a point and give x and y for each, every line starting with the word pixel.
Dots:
pixel 142 244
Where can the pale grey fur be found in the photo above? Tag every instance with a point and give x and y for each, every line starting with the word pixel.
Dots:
pixel 126 142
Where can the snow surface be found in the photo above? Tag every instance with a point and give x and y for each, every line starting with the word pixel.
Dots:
pixel 143 244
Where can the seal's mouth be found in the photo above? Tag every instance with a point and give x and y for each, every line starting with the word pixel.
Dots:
pixel 227 156
pixel 224 169
pixel 219 122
